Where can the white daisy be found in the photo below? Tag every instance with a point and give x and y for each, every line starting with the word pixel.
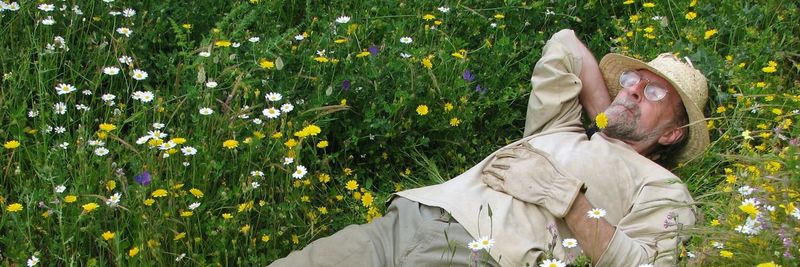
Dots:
pixel 271 112
pixel 128 12
pixel 144 96
pixel 236 44
pixel 194 205
pixel 60 189
pixel 188 151
pixel 405 55
pixel 143 139
pixel 13 6
pixel 158 125
pixel 486 242
pixel 33 113
pixel 64 145
pixel 63 88
pixel 299 172
pixel 745 190
pixel 96 143
pixel 287 160
pixel 100 151
pixel 108 97
pixel 257 173
pixel 406 40
pixel 717 245
pixel 569 243
pixel 82 107
pixel 33 261
pixel 299 37
pixel 167 145
pixel 596 213
pixel 796 213
pixel 113 200
pixel 139 74
pixel 286 108
pixel 257 121
pixel 204 54
pixel 46 7
pixel 111 70
pixel 211 84
pixel 444 9
pixel 254 39
pixel 157 134
pixel 48 21
pixel 206 111
pixel 108 1
pixel 343 19
pixel 125 31
pixel 125 60
pixel 552 263
pixel 474 245
pixel 273 96
pixel 60 108
pixel 255 185
pixel 59 129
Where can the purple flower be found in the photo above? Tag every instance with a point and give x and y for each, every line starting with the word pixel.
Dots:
pixel 346 85
pixel 480 89
pixel 373 50
pixel 144 178
pixel 467 75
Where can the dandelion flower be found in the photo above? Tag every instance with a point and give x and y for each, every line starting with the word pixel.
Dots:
pixel 266 64
pixel 351 185
pixel 14 207
pixel 159 193
pixel 230 144
pixel 552 263
pixel 139 75
pixel 13 144
pixel 406 40
pixel 63 88
pixel 89 207
pixel 133 251
pixel 197 193
pixel 596 213
pixel 690 15
pixel 422 110
pixel 206 111
pixel 726 254
pixel 108 235
pixel 601 120
pixel 299 172
pixel 569 243
pixel 343 19
pixel 709 33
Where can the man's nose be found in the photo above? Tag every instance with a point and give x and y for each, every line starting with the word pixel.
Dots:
pixel 637 90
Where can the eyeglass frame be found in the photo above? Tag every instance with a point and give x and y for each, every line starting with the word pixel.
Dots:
pixel 648 85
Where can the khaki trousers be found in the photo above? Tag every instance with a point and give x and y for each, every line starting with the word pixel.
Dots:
pixel 410 234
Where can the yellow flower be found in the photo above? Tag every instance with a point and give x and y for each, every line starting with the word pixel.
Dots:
pixel 14 207
pixel 186 213
pixel 499 16
pixel 223 43
pixel 768 69
pixel 196 192
pixel 108 235
pixel 709 33
pixel 179 236
pixel 715 222
pixel 721 109
pixel 761 84
pixel 628 2
pixel 726 254
pixel 455 122
pixel 367 199
pixel 340 41
pixel 324 177
pixel 428 17
pixel 265 238
pixel 230 144
pixel 187 26
pixel 351 185
pixel 427 63
pixel 649 29
pixel 277 135
pixel 295 239
pixel 245 229
pixel 693 3
pixel 266 64
pixel 601 120
pixel 422 110
pixel 149 202
pixel 749 208
pixel 348 171
pixel 460 54
pixel 227 216
pixel 322 144
pixel 323 210
pixel 70 198
pixel 90 207
pixel 159 193
pixel 135 249
pixel 110 185
pixel 633 18
pixel 690 15
pixel 448 107
pixel 363 54
pixel 178 140
pixel 321 59
pixel 107 127
pixel 343 102
pixel 290 143
pixel 11 144
pixel 768 264
pixel 649 4
pixel 777 111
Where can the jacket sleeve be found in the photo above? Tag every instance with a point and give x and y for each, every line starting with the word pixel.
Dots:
pixel 554 99
pixel 651 232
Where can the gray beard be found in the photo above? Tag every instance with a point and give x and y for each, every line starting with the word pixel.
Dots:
pixel 622 125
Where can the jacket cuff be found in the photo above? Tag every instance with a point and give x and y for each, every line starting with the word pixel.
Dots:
pixel 563 193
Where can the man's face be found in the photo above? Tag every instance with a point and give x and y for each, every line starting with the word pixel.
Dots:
pixel 632 117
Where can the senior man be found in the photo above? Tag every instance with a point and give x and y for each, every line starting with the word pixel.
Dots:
pixel 526 198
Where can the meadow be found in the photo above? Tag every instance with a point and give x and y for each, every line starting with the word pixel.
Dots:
pixel 154 133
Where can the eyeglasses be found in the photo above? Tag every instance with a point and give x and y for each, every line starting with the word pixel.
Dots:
pixel 652 92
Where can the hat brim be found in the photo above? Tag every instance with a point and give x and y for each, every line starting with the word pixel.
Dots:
pixel 612 65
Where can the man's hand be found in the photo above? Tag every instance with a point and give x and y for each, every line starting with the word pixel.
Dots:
pixel 527 174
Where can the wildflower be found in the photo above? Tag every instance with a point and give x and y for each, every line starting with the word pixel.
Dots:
pixel 726 254
pixel 709 33
pixel 287 107
pixel 60 189
pixel 13 144
pixel 128 12
pixel 351 185
pixel 299 172
pixel 428 17
pixel 48 21
pixel 227 216
pixel 126 60
pixel 745 190
pixel 499 16
pixel 14 207
pixel 601 120
pixel 133 251
pixel 179 236
pixel 406 40
pixel 33 260
pixel 796 213
pixel 46 7
pixel 474 245
pixel 645 265
pixel 125 31
pixel 206 111
pixel 108 235
pixel 101 151
pixel 768 264
pixel 70 198
pixel 290 143
pixel 211 84
pixel 467 76
pixel 111 70
pixel 405 55
pixel 749 206
pixel 159 193
pixel 196 193
pixel 322 144
pixel 596 213
pixel 254 39
pixel 222 43
pixel 180 257
pixel 569 243
pixel 443 9
pixel 271 112
pixel 63 88
pixel 367 199
pixel 139 74
pixel 552 263
pixel 299 37
pixel 113 201
pixel 287 160
pixel 690 15
pixel 771 67
pixel 273 96
pixel 265 238
pixel 204 54
pixel 186 213
pixel 188 151
pixel 422 110
pixel 426 62
pixel 486 242
pixel 107 127
pixel 343 19
pixel 649 4
pixel 230 144
pixel 89 207
pixel 455 122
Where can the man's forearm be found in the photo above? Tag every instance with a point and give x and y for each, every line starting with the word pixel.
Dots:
pixel 593 235
pixel 594 94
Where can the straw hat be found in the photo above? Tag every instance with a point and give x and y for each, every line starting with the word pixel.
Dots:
pixel 688 81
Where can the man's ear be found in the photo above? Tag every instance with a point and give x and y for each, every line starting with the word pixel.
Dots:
pixel 672 136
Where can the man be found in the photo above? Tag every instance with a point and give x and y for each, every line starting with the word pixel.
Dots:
pixel 527 197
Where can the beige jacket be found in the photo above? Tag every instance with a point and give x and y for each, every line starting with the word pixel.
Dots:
pixel 637 193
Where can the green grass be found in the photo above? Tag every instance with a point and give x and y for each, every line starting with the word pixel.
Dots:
pixel 366 105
